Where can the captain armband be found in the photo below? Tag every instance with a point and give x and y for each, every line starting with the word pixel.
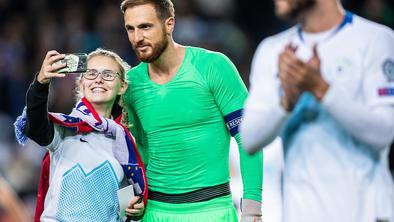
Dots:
pixel 233 120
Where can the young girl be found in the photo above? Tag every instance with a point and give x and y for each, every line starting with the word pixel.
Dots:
pixel 90 151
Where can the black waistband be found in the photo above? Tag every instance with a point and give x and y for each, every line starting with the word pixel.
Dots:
pixel 200 195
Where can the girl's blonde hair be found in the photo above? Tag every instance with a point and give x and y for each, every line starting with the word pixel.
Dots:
pixel 123 69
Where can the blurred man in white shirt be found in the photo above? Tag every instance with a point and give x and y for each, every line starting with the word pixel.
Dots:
pixel 326 86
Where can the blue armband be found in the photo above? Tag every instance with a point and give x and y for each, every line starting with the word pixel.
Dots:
pixel 233 120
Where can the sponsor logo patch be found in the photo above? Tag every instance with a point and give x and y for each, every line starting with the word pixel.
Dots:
pixel 233 120
pixel 389 91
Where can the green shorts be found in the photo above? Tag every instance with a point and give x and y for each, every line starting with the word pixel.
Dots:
pixel 220 209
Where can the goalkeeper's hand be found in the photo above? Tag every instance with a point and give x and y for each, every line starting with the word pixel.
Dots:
pixel 251 211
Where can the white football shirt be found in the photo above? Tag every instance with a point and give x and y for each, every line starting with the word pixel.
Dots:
pixel 330 175
pixel 84 178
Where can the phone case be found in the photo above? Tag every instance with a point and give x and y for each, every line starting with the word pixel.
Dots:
pixel 76 63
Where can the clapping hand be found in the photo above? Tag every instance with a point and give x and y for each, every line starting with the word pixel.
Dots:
pixel 297 76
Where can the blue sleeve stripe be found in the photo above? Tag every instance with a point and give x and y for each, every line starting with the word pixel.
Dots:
pixel 233 120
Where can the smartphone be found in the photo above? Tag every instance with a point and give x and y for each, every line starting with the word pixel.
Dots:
pixel 75 63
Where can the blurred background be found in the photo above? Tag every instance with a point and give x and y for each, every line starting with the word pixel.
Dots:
pixel 28 29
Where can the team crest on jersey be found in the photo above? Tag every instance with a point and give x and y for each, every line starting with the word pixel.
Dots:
pixel 344 70
pixel 388 70
pixel 344 65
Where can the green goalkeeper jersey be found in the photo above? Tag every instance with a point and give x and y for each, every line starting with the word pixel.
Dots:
pixel 180 126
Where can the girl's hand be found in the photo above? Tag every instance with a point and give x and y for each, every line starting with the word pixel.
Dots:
pixel 48 69
pixel 136 207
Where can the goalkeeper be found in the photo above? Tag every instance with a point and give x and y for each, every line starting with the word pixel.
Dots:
pixel 184 103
